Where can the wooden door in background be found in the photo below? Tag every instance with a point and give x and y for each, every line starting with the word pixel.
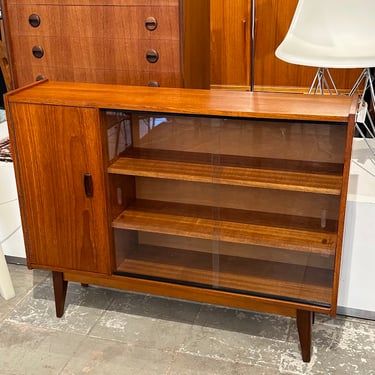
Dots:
pixel 230 44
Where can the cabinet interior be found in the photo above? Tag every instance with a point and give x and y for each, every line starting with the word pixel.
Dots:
pixel 243 205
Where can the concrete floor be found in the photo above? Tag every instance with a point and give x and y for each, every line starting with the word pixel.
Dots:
pixel 112 332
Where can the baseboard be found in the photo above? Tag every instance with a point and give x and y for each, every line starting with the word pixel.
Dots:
pixel 356 313
pixel 15 260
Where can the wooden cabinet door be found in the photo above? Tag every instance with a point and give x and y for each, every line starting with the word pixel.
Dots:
pixel 230 43
pixel 55 148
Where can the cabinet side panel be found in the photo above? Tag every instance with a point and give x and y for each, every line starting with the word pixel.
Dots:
pixel 343 201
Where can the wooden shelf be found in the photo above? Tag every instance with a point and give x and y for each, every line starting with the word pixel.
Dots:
pixel 229 170
pixel 230 225
pixel 298 283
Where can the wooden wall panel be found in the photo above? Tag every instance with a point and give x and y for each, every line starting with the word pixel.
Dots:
pixel 230 48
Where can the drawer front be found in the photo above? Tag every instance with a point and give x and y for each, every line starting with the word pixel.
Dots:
pixel 141 22
pixel 25 74
pixel 87 21
pixel 131 55
pixel 67 21
pixel 97 53
pixel 59 51
pixel 144 78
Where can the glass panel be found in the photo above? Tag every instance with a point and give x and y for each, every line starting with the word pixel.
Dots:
pixel 238 204
pixel 284 231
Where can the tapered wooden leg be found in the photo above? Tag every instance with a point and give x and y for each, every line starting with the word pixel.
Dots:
pixel 304 326
pixel 59 287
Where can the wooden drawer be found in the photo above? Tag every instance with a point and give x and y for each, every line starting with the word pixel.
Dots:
pixel 117 22
pixel 57 21
pixel 144 78
pixel 98 53
pixel 60 51
pixel 129 22
pixel 29 73
pixel 26 74
pixel 131 55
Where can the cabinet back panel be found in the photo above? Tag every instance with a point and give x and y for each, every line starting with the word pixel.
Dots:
pixel 237 250
pixel 239 274
pixel 268 139
pixel 278 201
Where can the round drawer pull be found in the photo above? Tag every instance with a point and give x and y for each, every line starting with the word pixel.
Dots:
pixel 153 84
pixel 152 56
pixel 34 20
pixel 38 52
pixel 151 23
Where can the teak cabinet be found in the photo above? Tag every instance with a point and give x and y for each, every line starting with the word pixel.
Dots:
pixel 137 42
pixel 231 198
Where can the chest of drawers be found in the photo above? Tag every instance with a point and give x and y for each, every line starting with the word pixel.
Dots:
pixel 139 42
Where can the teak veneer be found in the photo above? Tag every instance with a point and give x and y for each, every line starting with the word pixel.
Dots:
pixel 138 42
pixel 230 175
pixel 232 198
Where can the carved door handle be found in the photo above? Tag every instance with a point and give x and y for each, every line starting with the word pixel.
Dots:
pixel 88 185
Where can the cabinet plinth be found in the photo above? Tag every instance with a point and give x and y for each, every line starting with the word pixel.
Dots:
pixel 239 204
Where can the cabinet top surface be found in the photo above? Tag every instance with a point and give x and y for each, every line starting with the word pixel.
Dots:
pixel 189 101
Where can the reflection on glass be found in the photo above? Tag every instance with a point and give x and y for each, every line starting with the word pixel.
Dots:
pixel 244 205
